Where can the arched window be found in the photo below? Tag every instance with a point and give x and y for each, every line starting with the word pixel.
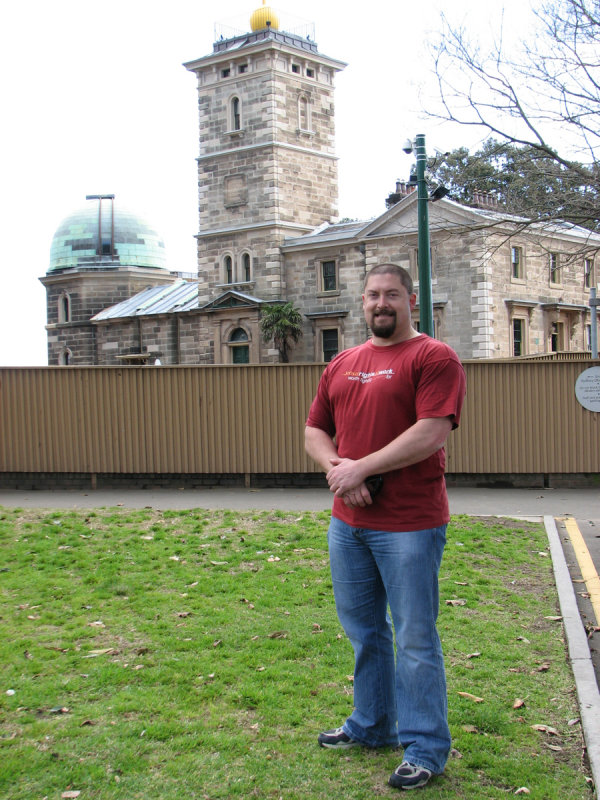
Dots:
pixel 246 267
pixel 235 122
pixel 64 358
pixel 240 349
pixel 64 308
pixel 227 269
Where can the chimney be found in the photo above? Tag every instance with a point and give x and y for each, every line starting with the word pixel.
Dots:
pixel 403 189
pixel 484 200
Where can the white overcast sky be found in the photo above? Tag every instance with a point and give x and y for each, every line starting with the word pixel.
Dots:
pixel 95 99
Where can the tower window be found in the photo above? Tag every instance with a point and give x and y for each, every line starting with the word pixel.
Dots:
pixel 65 357
pixel 235 107
pixel 64 308
pixel 310 73
pixel 303 114
pixel 243 68
pixel 296 69
pixel 228 269
pixel 246 267
pixel 225 73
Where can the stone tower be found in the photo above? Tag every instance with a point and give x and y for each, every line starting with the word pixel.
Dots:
pixel 101 254
pixel 267 168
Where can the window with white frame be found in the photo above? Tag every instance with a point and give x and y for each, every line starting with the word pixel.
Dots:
pixel 557 337
pixel 64 308
pixel 555 268
pixel 328 276
pixel 413 256
pixel 239 346
pixel 437 321
pixel 519 336
pixel 330 340
pixel 588 273
pixel 517 271
pixel 235 114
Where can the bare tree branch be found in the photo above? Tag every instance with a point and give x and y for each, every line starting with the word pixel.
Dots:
pixel 545 99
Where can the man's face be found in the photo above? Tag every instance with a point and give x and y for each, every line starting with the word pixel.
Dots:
pixel 387 306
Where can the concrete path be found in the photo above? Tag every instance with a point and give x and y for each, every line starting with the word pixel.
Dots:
pixel 581 503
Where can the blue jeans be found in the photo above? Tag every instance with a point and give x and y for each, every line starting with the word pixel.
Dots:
pixel 397 699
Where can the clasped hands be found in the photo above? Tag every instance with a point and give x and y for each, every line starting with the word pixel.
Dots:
pixel 346 479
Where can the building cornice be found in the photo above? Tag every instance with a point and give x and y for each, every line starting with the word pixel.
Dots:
pixel 326 314
pixel 76 273
pixel 554 306
pixel 514 301
pixel 249 47
pixel 252 227
pixel 263 145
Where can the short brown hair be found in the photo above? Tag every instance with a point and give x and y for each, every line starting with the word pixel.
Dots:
pixel 392 269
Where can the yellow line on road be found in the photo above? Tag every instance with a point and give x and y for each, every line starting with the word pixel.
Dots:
pixel 586 565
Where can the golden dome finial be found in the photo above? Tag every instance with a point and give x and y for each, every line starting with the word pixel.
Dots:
pixel 264 17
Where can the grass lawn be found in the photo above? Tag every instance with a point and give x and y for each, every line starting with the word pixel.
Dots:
pixel 197 654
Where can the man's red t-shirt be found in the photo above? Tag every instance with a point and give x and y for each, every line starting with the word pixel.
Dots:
pixel 367 396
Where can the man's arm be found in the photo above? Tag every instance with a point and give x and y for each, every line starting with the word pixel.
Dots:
pixel 415 444
pixel 321 448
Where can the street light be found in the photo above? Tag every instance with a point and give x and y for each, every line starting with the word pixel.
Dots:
pixel 594 303
pixel 424 248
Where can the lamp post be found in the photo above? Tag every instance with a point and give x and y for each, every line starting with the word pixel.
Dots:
pixel 424 259
pixel 594 303
pixel 424 247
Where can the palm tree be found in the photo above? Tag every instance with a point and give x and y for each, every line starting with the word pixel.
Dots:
pixel 281 323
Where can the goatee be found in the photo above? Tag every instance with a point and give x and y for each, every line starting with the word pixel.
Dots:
pixel 384 330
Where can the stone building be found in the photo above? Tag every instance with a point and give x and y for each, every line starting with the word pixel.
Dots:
pixel 267 179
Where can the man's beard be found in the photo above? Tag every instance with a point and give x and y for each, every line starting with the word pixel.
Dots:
pixel 384 329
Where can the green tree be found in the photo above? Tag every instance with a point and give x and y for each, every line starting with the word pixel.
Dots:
pixel 523 180
pixel 281 323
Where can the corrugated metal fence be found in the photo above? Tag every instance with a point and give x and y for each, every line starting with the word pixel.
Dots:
pixel 519 417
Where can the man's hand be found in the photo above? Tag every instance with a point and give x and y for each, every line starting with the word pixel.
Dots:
pixel 358 497
pixel 346 476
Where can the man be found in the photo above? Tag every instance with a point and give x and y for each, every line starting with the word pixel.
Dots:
pixel 377 426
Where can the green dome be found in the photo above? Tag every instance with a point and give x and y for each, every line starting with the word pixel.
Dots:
pixel 96 238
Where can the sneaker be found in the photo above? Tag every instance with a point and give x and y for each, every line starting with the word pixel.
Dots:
pixel 409 776
pixel 336 739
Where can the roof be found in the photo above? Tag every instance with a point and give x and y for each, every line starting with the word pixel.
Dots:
pixel 178 296
pixel 444 214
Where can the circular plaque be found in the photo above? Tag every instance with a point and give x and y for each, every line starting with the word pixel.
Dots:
pixel 587 389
